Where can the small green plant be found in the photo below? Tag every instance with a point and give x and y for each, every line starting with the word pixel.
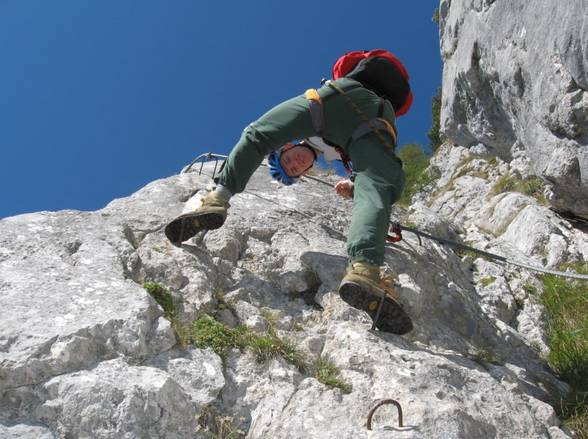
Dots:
pixel 530 289
pixel 566 304
pixel 485 281
pixel 263 348
pixel 327 373
pixel 574 410
pixel 170 312
pixel 207 332
pixel 162 297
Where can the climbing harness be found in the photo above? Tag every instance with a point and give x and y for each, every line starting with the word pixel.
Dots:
pixel 395 233
pixel 375 125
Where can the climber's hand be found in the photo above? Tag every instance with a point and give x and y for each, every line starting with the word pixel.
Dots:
pixel 344 188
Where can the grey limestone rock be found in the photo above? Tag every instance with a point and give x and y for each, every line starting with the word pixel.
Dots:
pixel 517 83
pixel 86 352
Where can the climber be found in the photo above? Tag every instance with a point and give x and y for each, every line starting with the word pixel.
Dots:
pixel 356 110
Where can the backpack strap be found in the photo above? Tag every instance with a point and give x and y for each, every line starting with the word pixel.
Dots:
pixel 315 105
pixel 368 122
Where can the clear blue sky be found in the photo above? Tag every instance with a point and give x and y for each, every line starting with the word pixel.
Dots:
pixel 100 97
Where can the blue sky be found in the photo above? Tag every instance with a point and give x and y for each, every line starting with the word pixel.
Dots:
pixel 100 97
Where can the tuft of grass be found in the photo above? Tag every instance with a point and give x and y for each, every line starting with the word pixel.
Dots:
pixel 170 312
pixel 485 281
pixel 162 297
pixel 566 304
pixel 207 332
pixel 532 186
pixel 328 374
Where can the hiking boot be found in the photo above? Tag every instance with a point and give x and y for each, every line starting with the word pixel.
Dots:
pixel 363 288
pixel 210 215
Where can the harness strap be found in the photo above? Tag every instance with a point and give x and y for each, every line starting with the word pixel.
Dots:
pixel 376 124
pixel 315 105
pixel 366 120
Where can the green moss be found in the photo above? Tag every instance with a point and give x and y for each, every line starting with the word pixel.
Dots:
pixel 566 303
pixel 328 374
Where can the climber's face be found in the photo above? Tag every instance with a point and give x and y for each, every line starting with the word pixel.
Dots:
pixel 296 159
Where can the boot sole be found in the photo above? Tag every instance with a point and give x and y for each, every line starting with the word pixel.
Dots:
pixel 392 317
pixel 186 226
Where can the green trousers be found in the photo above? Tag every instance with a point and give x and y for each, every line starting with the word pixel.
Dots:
pixel 379 178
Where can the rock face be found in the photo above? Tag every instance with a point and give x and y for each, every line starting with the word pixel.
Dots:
pixel 86 352
pixel 515 80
